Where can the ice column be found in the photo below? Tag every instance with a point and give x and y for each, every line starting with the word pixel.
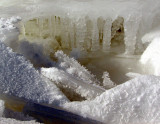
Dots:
pixel 65 33
pixel 95 36
pixel 107 34
pixel 80 33
pixel 131 25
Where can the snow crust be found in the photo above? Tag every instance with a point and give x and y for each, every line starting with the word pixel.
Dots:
pixel 20 79
pixel 134 102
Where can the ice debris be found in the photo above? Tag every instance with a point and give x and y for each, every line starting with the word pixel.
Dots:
pixel 69 74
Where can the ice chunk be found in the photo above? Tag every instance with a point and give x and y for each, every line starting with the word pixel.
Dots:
pixel 70 74
pixel 107 83
pixel 71 66
pixel 133 75
pixel 134 102
pixel 19 78
pixel 151 57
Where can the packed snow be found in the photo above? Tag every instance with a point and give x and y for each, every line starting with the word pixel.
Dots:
pixel 134 102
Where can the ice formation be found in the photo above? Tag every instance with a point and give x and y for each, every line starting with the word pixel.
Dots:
pixel 72 24
pixel 69 74
pixel 134 102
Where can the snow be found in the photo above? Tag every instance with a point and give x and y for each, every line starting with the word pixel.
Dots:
pixel 134 102
pixel 151 57
pixel 19 78
pixel 149 37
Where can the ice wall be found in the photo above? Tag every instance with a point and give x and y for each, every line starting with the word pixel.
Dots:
pixel 74 23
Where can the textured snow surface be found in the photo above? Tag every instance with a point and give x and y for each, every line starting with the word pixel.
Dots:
pixel 20 79
pixel 134 102
pixel 151 57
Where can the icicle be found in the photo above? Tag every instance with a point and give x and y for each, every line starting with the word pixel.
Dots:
pixel 40 26
pixel 65 32
pixel 130 28
pixel 72 33
pixel 80 33
pixel 24 31
pixel 50 27
pixel 107 34
pixel 88 36
pixel 107 83
pixel 95 36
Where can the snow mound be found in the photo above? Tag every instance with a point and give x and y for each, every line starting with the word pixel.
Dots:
pixel 134 102
pixel 19 78
pixel 151 57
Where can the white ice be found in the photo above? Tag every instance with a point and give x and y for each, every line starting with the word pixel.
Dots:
pixel 70 74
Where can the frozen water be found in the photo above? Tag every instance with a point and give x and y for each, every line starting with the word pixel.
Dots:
pixel 134 102
pixel 79 20
pixel 69 74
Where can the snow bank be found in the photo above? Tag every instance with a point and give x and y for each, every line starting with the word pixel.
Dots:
pixel 151 57
pixel 19 78
pixel 134 102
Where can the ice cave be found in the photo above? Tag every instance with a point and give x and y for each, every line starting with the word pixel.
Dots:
pixel 79 61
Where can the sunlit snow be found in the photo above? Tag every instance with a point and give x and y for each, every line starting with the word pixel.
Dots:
pixel 50 49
